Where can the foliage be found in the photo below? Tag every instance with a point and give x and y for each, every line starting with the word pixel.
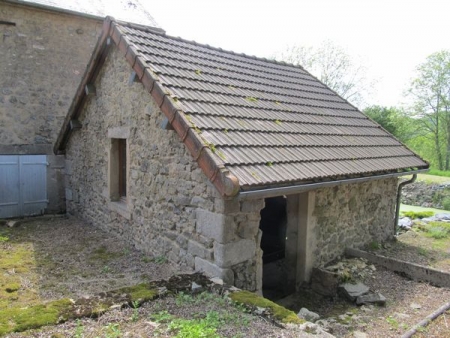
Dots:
pixel 446 203
pixel 418 214
pixel 437 172
pixel 394 120
pixel 332 65
pixel 436 230
pixel 430 91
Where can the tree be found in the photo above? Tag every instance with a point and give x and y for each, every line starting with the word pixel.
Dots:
pixel 431 93
pixel 395 121
pixel 332 65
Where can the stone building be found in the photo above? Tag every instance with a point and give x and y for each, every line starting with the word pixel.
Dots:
pixel 244 168
pixel 44 51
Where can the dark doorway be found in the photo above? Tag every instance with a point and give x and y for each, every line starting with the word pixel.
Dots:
pixel 273 243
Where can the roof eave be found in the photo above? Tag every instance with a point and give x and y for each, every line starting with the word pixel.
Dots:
pixel 300 188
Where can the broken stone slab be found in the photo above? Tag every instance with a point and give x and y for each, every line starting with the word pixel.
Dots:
pixel 324 282
pixel 196 288
pixel 359 334
pixel 405 223
pixel 371 298
pixel 353 291
pixel 308 315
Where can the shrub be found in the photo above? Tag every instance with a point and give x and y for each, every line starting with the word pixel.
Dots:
pixel 417 214
pixel 446 203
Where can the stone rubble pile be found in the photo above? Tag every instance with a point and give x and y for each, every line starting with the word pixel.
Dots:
pixel 406 223
pixel 343 278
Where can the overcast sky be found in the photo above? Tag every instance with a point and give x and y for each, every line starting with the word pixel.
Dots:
pixel 391 36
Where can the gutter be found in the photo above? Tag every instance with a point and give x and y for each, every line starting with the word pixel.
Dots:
pixel 399 194
pixel 272 192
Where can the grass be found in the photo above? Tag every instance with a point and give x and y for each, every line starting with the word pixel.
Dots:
pixel 437 172
pixel 406 208
pixel 417 214
pixel 431 177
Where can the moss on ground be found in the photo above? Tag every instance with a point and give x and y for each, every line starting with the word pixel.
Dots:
pixel 280 313
pixel 140 293
pixel 17 319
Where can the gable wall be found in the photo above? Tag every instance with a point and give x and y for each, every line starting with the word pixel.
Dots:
pixel 173 210
pixel 42 59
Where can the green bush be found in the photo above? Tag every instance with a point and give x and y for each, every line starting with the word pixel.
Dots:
pixel 417 214
pixel 446 203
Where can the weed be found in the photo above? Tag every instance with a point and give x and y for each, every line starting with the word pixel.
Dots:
pixel 374 245
pixel 436 230
pixel 251 99
pixel 417 214
pixel 106 269
pixel 392 321
pixel 160 260
pixel 161 317
pixel 184 298
pixel 422 252
pixel 278 122
pixel 421 329
pixel 4 239
pixel 79 329
pixel 146 259
pixel 135 315
pixel 113 331
pixel 446 203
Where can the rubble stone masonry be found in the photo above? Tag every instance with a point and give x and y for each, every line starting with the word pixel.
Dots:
pixel 172 210
pixel 43 56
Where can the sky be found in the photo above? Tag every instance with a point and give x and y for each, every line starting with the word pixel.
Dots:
pixel 391 37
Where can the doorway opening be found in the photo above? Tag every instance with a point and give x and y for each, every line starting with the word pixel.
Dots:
pixel 273 225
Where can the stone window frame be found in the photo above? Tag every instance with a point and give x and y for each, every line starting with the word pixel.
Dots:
pixel 117 203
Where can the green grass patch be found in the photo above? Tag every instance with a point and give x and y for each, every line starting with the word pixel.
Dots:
pixel 17 319
pixel 250 299
pixel 404 208
pixel 435 172
pixel 418 214
pixel 436 230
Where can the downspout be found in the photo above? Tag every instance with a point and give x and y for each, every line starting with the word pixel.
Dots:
pixel 399 195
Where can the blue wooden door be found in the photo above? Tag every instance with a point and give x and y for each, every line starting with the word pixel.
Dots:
pixel 23 185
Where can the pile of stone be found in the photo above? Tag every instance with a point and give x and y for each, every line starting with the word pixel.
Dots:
pixel 343 278
pixel 406 223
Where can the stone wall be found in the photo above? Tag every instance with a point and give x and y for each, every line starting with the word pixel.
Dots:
pixel 427 194
pixel 353 215
pixel 43 55
pixel 172 210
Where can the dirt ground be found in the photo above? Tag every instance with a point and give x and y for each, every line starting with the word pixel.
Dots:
pixel 51 258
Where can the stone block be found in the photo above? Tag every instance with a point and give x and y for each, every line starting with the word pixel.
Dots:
pixel 216 226
pixel 230 254
pixel 252 205
pixel 69 195
pixel 212 270
pixel 226 206
pixel 197 250
pixel 324 282
pixel 371 298
pixel 353 291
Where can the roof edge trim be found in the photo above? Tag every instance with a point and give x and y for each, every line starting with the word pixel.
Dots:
pixel 296 189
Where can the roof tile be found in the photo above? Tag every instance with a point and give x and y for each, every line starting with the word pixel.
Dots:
pixel 269 124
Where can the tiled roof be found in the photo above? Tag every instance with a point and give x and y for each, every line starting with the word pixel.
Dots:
pixel 266 123
pixel 131 11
